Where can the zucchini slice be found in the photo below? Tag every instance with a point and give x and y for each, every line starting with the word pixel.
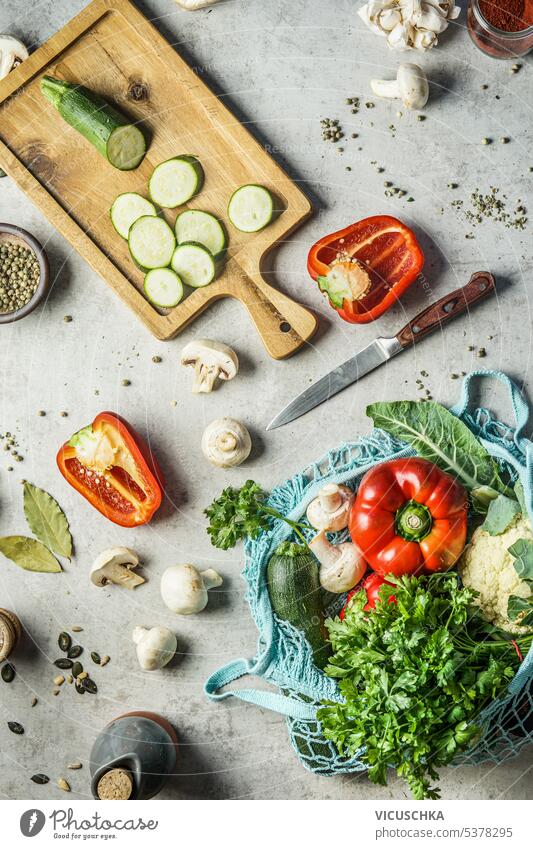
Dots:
pixel 163 287
pixel 251 208
pixel 175 181
pixel 194 264
pixel 126 209
pixel 193 225
pixel 151 242
pixel 108 130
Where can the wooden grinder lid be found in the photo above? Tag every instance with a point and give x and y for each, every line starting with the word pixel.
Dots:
pixel 115 784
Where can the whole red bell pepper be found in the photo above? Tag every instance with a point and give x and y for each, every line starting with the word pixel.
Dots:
pixel 409 517
pixel 371 586
pixel 113 468
pixel 364 269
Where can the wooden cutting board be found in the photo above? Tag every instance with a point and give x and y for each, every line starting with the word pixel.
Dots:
pixel 114 50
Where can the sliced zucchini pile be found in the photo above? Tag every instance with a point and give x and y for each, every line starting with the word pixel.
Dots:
pixel 188 254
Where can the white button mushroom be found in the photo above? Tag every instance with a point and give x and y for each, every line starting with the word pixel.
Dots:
pixel 411 85
pixel 330 510
pixel 155 646
pixel 226 442
pixel 210 360
pixel 184 588
pixel 341 566
pixel 12 53
pixel 113 566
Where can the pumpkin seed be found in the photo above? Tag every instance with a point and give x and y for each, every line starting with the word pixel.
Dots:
pixel 75 651
pixel 8 673
pixel 77 669
pixel 64 641
pixel 63 785
pixel 95 657
pixel 90 686
pixel 15 727
pixel 63 663
pixel 75 765
pixel 40 778
pixel 79 688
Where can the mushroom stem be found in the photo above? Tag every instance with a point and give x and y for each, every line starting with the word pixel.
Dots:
pixel 326 553
pixel 211 579
pixel 330 497
pixel 385 88
pixel 226 442
pixel 204 378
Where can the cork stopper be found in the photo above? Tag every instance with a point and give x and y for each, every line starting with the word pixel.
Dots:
pixel 10 632
pixel 115 784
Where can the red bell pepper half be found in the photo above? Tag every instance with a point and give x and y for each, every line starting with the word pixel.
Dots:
pixel 113 468
pixel 371 586
pixel 409 517
pixel 365 268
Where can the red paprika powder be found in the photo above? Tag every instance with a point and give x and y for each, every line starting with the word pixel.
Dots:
pixel 507 15
pixel 501 28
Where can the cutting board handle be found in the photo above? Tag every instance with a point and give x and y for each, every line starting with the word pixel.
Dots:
pixel 283 324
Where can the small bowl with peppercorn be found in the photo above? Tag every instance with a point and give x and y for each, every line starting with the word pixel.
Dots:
pixel 24 273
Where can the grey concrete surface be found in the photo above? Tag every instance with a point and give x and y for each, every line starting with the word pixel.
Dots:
pixel 282 67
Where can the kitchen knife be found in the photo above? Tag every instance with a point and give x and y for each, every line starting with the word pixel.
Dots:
pixel 382 349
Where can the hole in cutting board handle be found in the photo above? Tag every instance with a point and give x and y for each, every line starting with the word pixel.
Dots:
pixel 285 327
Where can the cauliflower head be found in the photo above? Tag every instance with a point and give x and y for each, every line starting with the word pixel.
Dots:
pixel 487 567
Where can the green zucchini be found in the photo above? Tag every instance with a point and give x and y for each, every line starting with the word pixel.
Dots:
pixel 296 597
pixel 112 134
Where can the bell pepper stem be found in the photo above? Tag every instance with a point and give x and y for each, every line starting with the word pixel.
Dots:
pixel 413 521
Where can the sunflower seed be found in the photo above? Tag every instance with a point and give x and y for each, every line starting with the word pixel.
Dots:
pixel 64 641
pixel 90 686
pixel 75 765
pixel 105 660
pixel 58 680
pixel 76 629
pixel 77 669
pixel 15 727
pixel 34 701
pixel 95 657
pixel 70 679
pixel 40 778
pixel 8 673
pixel 63 663
pixel 82 676
pixel 75 651
pixel 63 785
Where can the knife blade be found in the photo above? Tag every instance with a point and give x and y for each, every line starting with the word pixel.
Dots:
pixel 383 348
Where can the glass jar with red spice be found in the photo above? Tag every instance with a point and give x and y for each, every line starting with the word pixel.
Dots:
pixel 501 28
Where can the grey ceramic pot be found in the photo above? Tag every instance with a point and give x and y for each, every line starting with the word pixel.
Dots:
pixel 12 233
pixel 142 743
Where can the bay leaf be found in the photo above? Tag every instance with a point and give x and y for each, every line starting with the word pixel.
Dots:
pixel 29 554
pixel 47 520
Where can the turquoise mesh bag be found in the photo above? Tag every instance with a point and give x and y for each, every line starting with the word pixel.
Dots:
pixel 284 657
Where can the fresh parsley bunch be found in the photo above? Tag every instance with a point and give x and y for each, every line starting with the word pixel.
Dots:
pixel 414 676
pixel 242 514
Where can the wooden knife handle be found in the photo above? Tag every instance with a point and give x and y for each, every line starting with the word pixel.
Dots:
pixel 479 286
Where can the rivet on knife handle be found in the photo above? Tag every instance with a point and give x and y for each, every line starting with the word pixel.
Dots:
pixel 479 286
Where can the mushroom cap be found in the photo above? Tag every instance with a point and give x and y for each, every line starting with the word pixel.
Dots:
pixel 211 353
pixel 346 572
pixel 226 443
pixel 183 589
pixel 413 85
pixel 112 563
